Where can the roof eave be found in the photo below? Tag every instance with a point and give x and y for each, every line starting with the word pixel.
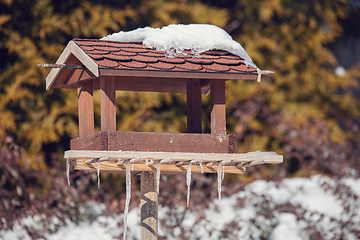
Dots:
pixel 74 49
pixel 174 74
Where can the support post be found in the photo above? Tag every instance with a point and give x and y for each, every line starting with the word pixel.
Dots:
pixel 107 101
pixel 86 108
pixel 218 110
pixel 193 91
pixel 149 206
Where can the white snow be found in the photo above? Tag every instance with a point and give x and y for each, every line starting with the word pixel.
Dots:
pixel 105 228
pixel 287 228
pixel 315 198
pixel 224 215
pixel 68 171
pixel 175 38
pixel 223 172
pixel 82 231
pixel 98 174
pixel 354 184
pixel 128 196
pixel 260 153
pixel 201 167
pixel 158 177
pixel 307 193
pixel 219 181
pixel 243 213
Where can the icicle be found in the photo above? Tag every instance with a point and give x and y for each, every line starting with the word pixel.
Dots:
pixel 132 167
pixel 128 196
pixel 158 177
pixel 202 169
pixel 68 171
pixel 146 162
pixel 219 181
pixel 98 173
pixel 223 172
pixel 188 182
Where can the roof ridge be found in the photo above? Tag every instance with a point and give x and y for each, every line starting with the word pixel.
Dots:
pixel 110 41
pixel 140 43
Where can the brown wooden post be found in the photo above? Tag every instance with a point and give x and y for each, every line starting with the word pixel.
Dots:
pixel 86 108
pixel 193 91
pixel 218 113
pixel 149 206
pixel 107 101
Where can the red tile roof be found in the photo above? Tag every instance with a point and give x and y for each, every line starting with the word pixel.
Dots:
pixel 136 56
pixel 139 68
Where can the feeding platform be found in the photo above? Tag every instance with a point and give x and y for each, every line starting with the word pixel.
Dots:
pixel 172 162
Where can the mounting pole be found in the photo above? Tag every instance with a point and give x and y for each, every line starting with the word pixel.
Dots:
pixel 149 206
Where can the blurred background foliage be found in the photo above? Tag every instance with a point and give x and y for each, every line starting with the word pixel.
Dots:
pixel 304 110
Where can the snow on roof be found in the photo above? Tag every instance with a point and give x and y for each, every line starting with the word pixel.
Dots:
pixel 174 39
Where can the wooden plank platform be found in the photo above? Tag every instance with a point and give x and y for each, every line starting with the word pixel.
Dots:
pixel 169 162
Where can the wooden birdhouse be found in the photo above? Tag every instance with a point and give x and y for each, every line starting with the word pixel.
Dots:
pixel 110 66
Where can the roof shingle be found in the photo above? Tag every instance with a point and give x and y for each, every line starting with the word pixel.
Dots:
pixel 134 55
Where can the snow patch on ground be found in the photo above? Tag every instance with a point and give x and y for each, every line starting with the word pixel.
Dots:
pixel 288 228
pixel 276 210
pixel 354 184
pixel 105 228
pixel 306 192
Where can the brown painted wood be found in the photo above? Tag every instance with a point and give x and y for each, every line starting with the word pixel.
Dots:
pixel 218 110
pixel 170 142
pixel 193 93
pixel 142 84
pixel 96 141
pixel 80 75
pixel 64 74
pixel 161 82
pixel 56 74
pixel 149 206
pixel 86 109
pixel 174 74
pixel 148 84
pixel 107 101
pixel 163 142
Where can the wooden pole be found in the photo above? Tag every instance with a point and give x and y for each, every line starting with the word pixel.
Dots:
pixel 149 206
pixel 193 91
pixel 86 108
pixel 107 101
pixel 218 113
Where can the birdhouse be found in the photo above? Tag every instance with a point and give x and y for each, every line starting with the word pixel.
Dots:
pixel 109 66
